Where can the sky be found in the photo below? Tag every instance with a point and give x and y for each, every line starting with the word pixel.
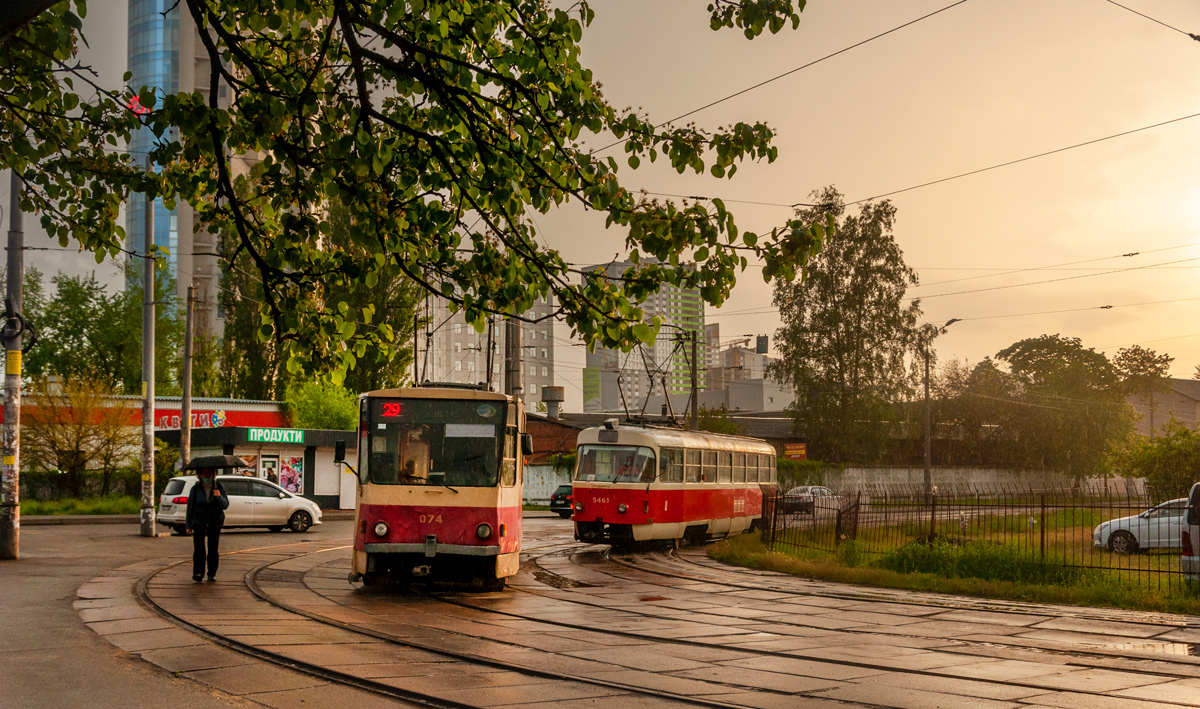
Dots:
pixel 980 84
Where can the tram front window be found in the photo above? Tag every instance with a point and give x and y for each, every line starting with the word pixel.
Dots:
pixel 615 464
pixel 435 442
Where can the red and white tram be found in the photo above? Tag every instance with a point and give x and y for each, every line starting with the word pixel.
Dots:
pixel 638 483
pixel 440 479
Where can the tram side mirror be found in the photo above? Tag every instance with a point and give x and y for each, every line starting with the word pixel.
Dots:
pixel 527 444
pixel 339 452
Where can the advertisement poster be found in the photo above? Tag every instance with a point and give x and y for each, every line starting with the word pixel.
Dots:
pixel 291 474
pixel 251 465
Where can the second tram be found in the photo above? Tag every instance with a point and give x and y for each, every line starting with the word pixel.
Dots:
pixel 641 483
pixel 440 480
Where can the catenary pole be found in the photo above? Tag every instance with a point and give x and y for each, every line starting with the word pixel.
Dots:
pixel 10 488
pixel 185 407
pixel 148 289
pixel 695 381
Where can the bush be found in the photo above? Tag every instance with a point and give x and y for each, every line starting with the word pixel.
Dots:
pixel 981 560
pixel 111 505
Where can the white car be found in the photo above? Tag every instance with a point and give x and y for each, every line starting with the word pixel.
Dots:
pixel 253 502
pixel 1189 563
pixel 1160 527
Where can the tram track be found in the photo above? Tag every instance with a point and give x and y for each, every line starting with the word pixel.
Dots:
pixel 532 569
pixel 863 665
pixel 391 691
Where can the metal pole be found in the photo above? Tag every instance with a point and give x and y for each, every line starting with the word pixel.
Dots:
pixel 10 488
pixel 695 405
pixel 928 455
pixel 148 529
pixel 185 408
pixel 512 360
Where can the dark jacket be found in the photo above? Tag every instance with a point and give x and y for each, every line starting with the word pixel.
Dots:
pixel 204 510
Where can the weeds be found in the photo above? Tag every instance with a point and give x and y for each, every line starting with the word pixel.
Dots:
pixel 111 505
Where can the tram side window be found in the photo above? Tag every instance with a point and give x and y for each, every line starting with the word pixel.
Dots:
pixel 739 467
pixel 708 467
pixel 508 466
pixel 771 466
pixel 724 467
pixel 692 466
pixel 752 472
pixel 672 465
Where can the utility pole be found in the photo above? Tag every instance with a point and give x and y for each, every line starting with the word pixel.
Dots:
pixel 148 529
pixel 928 454
pixel 185 408
pixel 695 405
pixel 10 488
pixel 513 385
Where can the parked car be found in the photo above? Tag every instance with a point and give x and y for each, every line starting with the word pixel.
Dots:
pixel 560 501
pixel 1189 563
pixel 807 498
pixel 1160 527
pixel 253 502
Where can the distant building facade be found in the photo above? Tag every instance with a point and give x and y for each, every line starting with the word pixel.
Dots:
pixel 613 379
pixel 1182 403
pixel 451 350
pixel 165 53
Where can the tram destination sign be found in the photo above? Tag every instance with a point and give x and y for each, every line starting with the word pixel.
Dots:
pixel 275 435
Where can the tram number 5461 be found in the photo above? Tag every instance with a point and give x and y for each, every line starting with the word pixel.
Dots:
pixel 429 519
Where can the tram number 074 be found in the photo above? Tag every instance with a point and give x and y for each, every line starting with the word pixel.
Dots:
pixel 429 519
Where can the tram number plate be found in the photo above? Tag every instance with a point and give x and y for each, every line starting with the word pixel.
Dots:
pixel 429 519
pixel 599 500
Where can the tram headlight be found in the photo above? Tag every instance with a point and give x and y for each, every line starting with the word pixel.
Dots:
pixel 381 529
pixel 579 507
pixel 621 508
pixel 483 531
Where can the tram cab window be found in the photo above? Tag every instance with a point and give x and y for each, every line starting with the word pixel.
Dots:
pixel 724 467
pixel 615 464
pixel 436 442
pixel 508 465
pixel 708 466
pixel 672 465
pixel 739 467
pixel 692 466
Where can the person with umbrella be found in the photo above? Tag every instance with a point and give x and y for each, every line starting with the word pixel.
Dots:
pixel 206 507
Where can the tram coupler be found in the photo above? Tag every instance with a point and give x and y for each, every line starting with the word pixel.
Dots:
pixel 422 571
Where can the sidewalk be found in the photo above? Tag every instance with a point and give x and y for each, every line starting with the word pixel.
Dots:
pixel 54 520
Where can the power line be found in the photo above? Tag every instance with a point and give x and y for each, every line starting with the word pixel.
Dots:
pixel 1025 159
pixel 1140 14
pixel 1050 280
pixel 1068 263
pixel 789 72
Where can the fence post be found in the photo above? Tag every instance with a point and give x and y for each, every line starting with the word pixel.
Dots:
pixel 1043 527
pixel 932 516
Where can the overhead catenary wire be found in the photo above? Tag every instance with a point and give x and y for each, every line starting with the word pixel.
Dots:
pixel 1152 19
pixel 789 72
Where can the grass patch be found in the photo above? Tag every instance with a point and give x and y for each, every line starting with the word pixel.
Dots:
pixel 1012 581
pixel 536 508
pixel 111 505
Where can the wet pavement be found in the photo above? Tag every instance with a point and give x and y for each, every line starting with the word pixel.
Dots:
pixel 578 628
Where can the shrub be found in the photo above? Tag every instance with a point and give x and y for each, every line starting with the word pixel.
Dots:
pixel 982 560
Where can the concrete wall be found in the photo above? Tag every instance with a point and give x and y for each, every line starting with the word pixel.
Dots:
pixel 541 481
pixel 885 476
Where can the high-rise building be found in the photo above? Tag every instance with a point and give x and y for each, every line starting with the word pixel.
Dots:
pixel 451 350
pixel 614 380
pixel 165 53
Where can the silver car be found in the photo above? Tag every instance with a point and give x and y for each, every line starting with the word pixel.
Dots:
pixel 253 502
pixel 1159 527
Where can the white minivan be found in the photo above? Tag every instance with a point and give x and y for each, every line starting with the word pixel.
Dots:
pixel 253 502
pixel 1189 563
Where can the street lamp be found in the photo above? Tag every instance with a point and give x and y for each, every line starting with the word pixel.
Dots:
pixel 930 333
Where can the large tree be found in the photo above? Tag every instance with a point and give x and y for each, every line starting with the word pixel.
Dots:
pixel 1072 407
pixel 1144 373
pixel 847 332
pixel 439 125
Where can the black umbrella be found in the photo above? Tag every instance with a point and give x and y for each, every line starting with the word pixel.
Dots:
pixel 216 461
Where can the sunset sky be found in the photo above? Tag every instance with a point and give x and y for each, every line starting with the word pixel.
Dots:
pixel 980 84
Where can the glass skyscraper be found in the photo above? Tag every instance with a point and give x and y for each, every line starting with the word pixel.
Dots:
pixel 154 62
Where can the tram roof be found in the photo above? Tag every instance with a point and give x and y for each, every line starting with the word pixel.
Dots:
pixel 437 391
pixel 674 437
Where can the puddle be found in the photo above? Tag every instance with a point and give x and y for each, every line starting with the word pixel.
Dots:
pixel 1189 649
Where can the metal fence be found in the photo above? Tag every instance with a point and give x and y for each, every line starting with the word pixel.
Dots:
pixel 1051 534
